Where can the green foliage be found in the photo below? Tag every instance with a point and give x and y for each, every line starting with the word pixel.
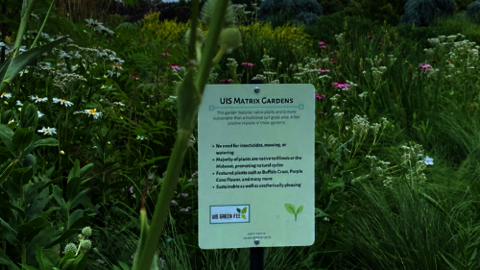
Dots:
pixel 380 11
pixel 279 12
pixel 473 10
pixel 423 12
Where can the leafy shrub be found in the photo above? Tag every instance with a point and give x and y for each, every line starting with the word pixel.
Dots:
pixel 302 11
pixel 378 10
pixel 163 30
pixel 333 6
pixel 423 12
pixel 473 10
pixel 326 27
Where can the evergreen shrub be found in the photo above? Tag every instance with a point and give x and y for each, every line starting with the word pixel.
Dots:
pixel 473 10
pixel 301 11
pixel 423 12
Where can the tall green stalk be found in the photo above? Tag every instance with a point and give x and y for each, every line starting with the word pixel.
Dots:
pixel 43 24
pixel 189 99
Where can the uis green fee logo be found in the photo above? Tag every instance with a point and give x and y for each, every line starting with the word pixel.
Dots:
pixel 229 214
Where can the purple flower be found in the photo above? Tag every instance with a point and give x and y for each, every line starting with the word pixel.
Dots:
pixel 323 70
pixel 175 67
pixel 226 81
pixel 185 209
pixel 182 195
pixel 319 97
pixel 174 203
pixel 322 45
pixel 425 67
pixel 341 84
pixel 131 189
pixel 247 64
pixel 100 261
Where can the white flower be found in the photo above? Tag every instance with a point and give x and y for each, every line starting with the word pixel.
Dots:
pixel 5 95
pixel 428 160
pixel 96 114
pixel 63 102
pixel 11 121
pixel 40 114
pixel 141 138
pixel 118 103
pixel 19 103
pixel 48 131
pixel 37 99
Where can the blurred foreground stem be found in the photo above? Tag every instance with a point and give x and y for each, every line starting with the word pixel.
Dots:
pixel 189 98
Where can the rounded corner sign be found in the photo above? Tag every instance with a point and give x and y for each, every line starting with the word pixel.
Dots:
pixel 256 166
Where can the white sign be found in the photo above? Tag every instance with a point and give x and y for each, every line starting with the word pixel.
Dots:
pixel 256 166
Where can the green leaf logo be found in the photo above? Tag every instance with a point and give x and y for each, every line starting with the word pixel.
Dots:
pixel 244 212
pixel 238 210
pixel 291 209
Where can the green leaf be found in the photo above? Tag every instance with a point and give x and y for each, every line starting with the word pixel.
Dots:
pixel 6 135
pixel 28 116
pixel 21 60
pixel 81 222
pixel 58 195
pixel 123 265
pixel 6 261
pixel 42 240
pixel 7 205
pixel 66 234
pixel 5 154
pixel 152 160
pixel 80 262
pixel 299 210
pixel 9 233
pixel 27 230
pixel 238 210
pixel 74 216
pixel 41 142
pixel 22 138
pixel 36 207
pixel 29 161
pixel 73 188
pixel 69 256
pixel 79 198
pixel 6 116
pixel 5 174
pixel 47 259
pixel 320 213
pixel 86 170
pixel 22 175
pixel 75 171
pixel 290 208
pixel 28 267
pixel 244 216
pixel 244 210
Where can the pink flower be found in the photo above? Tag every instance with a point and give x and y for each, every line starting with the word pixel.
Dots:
pixel 322 45
pixel 175 67
pixel 341 84
pixel 323 70
pixel 319 97
pixel 426 67
pixel 247 64
pixel 333 61
pixel 226 80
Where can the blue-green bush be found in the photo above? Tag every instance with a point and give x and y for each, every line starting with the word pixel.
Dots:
pixel 301 11
pixel 473 10
pixel 423 12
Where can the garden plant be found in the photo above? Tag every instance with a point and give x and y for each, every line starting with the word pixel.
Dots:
pixel 98 136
